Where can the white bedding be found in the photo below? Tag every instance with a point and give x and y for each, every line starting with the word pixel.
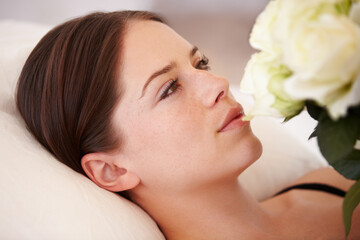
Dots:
pixel 43 199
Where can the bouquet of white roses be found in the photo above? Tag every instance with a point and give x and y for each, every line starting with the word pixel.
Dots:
pixel 309 58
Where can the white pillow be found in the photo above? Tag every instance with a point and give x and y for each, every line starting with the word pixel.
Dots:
pixel 43 199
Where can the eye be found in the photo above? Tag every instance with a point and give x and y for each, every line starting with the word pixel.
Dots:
pixel 203 64
pixel 170 88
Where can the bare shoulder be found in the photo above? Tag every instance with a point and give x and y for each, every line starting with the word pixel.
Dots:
pixel 327 175
pixel 298 206
pixel 332 177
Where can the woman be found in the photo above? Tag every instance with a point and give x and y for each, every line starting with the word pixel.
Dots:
pixel 123 99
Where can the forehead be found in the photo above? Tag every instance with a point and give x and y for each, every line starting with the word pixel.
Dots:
pixel 149 46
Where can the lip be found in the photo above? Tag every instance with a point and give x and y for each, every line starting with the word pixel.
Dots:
pixel 233 119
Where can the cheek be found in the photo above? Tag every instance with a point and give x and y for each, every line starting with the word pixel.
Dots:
pixel 178 125
pixel 164 137
pixel 167 147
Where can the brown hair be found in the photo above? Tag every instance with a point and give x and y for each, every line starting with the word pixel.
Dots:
pixel 68 87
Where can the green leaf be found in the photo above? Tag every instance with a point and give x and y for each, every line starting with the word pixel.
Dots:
pixel 313 109
pixel 313 134
pixel 336 139
pixel 355 111
pixel 349 167
pixel 352 199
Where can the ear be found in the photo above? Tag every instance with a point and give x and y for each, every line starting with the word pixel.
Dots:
pixel 105 172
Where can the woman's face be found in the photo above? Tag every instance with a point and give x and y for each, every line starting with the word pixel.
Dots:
pixel 172 112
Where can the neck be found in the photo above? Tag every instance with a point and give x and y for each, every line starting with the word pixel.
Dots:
pixel 224 212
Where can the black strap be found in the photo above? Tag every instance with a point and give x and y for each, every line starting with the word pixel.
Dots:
pixel 317 187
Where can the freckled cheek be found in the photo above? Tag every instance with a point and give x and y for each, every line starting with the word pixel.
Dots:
pixel 170 146
pixel 163 132
pixel 158 147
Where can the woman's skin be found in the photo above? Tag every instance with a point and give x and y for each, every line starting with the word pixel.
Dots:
pixel 182 167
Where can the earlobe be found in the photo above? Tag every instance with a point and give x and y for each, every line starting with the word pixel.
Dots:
pixel 105 172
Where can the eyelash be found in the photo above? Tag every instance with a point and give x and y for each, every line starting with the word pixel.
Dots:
pixel 170 84
pixel 203 64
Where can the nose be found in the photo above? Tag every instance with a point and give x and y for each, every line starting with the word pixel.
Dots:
pixel 211 88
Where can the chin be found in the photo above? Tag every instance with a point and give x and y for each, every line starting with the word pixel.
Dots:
pixel 254 145
pixel 258 149
pixel 250 153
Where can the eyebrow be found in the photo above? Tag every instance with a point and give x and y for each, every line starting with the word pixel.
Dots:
pixel 164 70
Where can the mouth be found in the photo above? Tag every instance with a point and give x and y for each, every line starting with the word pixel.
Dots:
pixel 233 119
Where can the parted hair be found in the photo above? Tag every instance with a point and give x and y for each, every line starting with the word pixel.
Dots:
pixel 69 85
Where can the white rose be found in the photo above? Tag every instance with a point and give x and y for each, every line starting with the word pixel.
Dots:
pixel 261 34
pixel 263 77
pixel 273 24
pixel 324 56
pixel 319 42
pixel 255 81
